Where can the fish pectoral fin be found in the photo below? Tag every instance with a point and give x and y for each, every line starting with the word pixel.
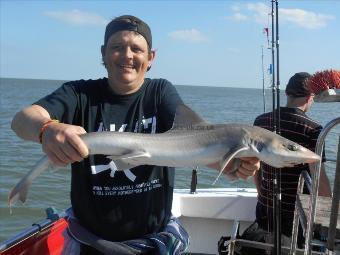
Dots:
pixel 226 159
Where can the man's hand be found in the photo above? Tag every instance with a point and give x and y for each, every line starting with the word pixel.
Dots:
pixel 248 167
pixel 62 144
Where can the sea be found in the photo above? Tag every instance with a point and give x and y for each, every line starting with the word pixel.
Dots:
pixel 52 189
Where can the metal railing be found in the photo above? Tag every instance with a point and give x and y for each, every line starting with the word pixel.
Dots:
pixel 298 213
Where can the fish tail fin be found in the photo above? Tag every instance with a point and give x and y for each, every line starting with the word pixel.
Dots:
pixel 11 201
pixel 23 194
pixel 20 190
pixel 16 195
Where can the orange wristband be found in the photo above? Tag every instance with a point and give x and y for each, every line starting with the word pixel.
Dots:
pixel 44 126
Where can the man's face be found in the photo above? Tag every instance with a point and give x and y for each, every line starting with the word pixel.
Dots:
pixel 126 58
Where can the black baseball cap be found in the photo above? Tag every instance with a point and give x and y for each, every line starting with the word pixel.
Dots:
pixel 130 23
pixel 297 87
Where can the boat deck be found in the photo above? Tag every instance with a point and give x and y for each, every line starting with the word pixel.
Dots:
pixel 323 213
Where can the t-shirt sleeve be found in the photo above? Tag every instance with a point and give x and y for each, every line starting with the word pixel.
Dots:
pixel 170 99
pixel 61 104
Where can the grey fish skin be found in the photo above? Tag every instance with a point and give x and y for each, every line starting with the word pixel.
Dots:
pixel 198 146
pixel 185 145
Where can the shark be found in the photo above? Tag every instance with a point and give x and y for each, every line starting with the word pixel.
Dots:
pixel 191 142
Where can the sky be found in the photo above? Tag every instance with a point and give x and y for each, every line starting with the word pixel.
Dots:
pixel 208 43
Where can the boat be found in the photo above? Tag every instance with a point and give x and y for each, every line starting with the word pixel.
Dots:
pixel 212 217
pixel 212 228
pixel 205 224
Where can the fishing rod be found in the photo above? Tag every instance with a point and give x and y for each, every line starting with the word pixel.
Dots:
pixel 273 67
pixel 276 122
pixel 263 88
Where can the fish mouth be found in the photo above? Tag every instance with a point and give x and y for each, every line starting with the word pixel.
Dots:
pixel 308 156
pixel 313 158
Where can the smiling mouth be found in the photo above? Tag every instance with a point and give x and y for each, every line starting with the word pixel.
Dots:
pixel 126 67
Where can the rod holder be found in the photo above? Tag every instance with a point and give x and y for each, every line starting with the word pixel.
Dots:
pixel 193 185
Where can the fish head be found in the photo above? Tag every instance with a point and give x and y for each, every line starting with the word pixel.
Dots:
pixel 280 152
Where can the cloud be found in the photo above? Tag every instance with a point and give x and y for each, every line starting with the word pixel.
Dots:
pixel 242 12
pixel 190 35
pixel 238 17
pixel 305 19
pixel 236 7
pixel 77 17
pixel 260 13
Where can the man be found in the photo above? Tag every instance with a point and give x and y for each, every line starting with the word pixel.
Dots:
pixel 112 206
pixel 296 126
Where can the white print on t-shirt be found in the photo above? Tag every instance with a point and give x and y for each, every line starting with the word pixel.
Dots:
pixel 146 124
pixel 124 190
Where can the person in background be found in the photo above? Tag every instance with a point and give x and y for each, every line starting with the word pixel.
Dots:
pixel 296 126
pixel 123 212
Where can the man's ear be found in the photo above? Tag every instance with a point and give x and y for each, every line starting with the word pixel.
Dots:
pixel 102 49
pixel 152 56
pixel 310 97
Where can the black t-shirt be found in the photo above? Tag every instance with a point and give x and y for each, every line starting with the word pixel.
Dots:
pixel 126 204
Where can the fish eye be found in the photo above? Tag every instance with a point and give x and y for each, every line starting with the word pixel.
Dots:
pixel 292 147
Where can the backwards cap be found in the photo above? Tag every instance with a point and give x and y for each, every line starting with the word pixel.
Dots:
pixel 130 23
pixel 297 87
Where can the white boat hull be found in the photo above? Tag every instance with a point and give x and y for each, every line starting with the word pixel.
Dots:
pixel 210 213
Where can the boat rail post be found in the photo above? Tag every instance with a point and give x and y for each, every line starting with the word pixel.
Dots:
pixel 316 168
pixel 335 204
pixel 296 214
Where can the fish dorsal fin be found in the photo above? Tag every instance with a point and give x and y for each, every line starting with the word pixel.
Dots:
pixel 186 117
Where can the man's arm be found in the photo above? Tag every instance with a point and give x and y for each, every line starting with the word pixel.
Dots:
pixel 61 142
pixel 324 185
pixel 257 180
pixel 27 123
